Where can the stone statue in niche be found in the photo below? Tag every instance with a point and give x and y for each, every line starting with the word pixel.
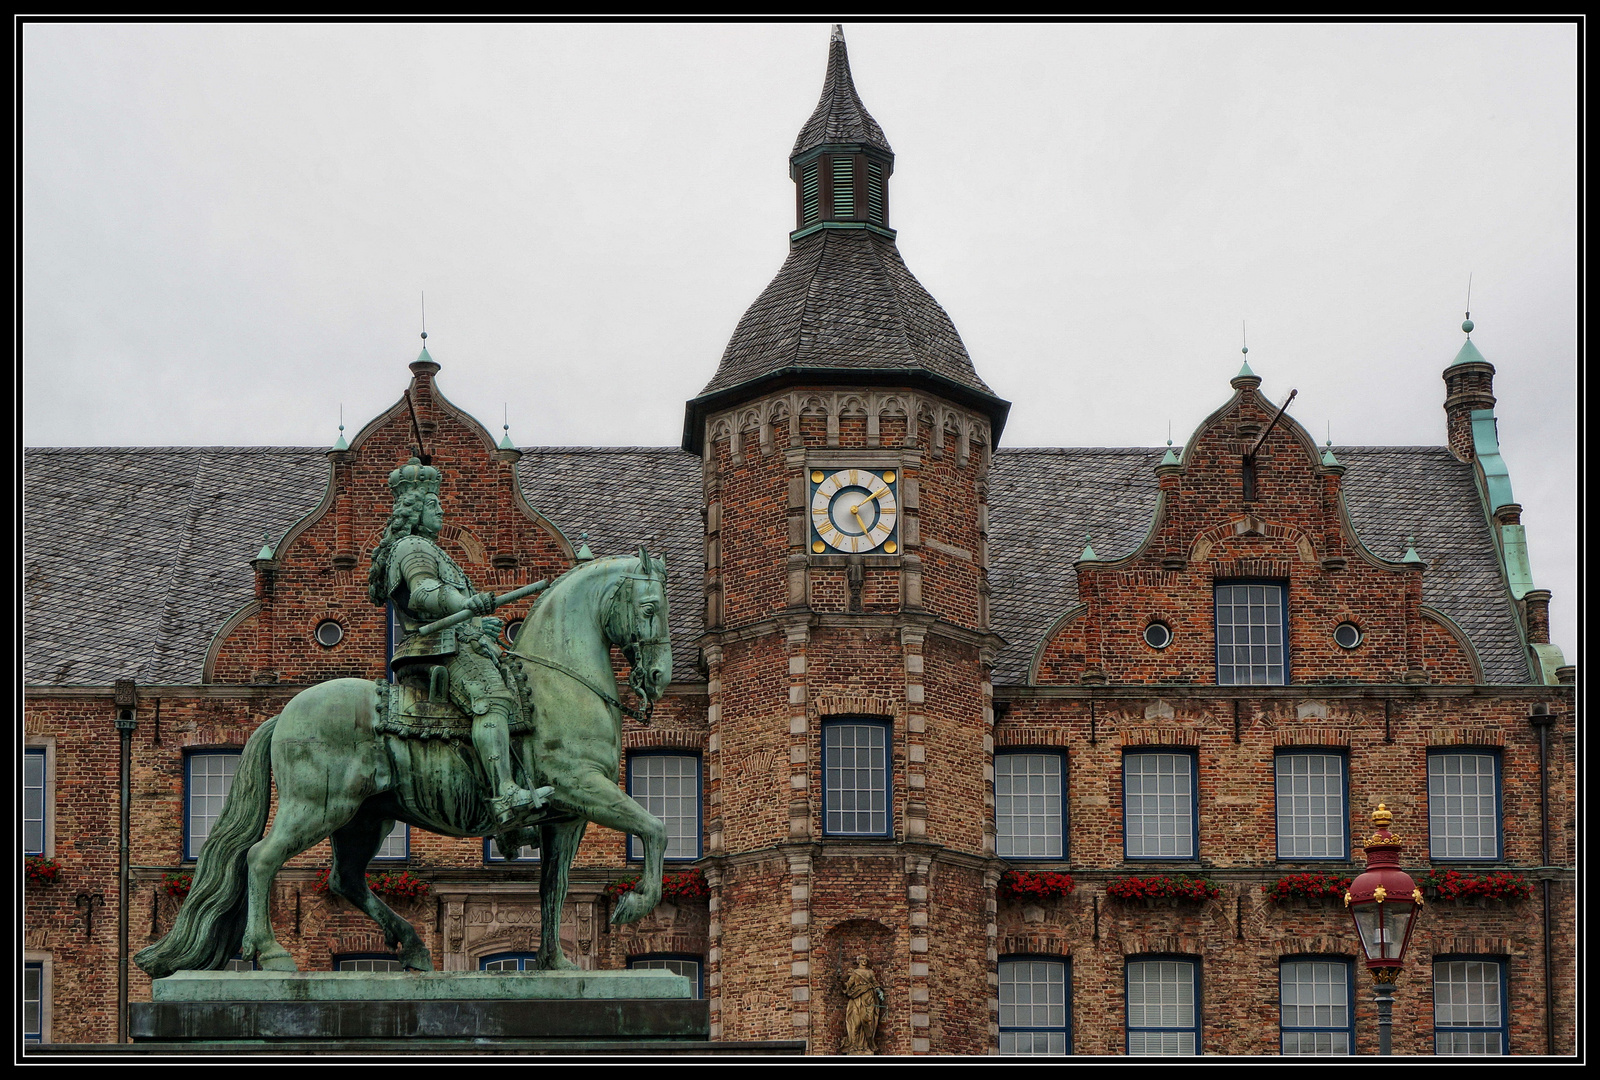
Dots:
pixel 864 1003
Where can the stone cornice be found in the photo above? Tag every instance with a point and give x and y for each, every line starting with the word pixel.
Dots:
pixel 937 627
pixel 1296 692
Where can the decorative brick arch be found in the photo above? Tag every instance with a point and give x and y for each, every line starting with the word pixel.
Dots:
pixel 854 705
pixel 674 738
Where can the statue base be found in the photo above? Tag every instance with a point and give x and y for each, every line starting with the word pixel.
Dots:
pixel 442 1011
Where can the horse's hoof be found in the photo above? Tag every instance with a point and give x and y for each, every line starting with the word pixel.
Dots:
pixel 280 961
pixel 631 908
pixel 421 960
pixel 558 963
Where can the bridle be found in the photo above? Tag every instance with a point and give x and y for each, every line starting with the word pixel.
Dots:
pixel 641 651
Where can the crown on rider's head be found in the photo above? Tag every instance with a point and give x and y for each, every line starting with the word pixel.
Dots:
pixel 414 476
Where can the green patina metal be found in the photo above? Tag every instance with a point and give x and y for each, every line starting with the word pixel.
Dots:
pixel 1411 555
pixel 1088 551
pixel 1486 448
pixel 534 757
pixel 1469 354
pixel 1170 458
pixel 800 234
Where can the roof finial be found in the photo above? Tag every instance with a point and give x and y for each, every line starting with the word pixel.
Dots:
pixel 1088 550
pixel 266 545
pixel 1244 370
pixel 505 440
pixel 1466 327
pixel 1327 454
pixel 1411 555
pixel 424 317
pixel 341 444
pixel 838 33
pixel 584 554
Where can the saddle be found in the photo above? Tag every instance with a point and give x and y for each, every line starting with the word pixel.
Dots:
pixel 418 710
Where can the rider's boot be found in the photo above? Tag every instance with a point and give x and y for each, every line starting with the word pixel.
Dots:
pixel 491 734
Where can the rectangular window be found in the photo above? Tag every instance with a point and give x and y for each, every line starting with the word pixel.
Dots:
pixel 1468 1014
pixel 33 1002
pixel 33 801
pixel 1158 805
pixel 668 786
pixel 397 845
pixel 509 962
pixel 687 966
pixel 1316 1012
pixel 1035 1018
pixel 209 778
pixel 1029 810
pixel 1250 635
pixel 1310 794
pixel 492 853
pixel 1463 804
pixel 855 778
pixel 1163 1007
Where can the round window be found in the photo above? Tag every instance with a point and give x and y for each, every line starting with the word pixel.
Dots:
pixel 1347 635
pixel 329 633
pixel 1158 635
pixel 512 631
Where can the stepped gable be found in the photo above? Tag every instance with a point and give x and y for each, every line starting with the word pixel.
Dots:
pixel 135 556
pixel 1390 493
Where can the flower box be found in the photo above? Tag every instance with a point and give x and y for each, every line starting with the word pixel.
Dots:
pixel 1162 889
pixel 40 870
pixel 401 885
pixel 1311 889
pixel 1034 887
pixel 684 887
pixel 1452 886
pixel 178 884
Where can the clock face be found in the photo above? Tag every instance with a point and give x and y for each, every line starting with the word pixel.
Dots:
pixel 853 511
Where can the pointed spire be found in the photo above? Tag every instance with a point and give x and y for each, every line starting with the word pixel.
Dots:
pixel 341 444
pixel 584 554
pixel 840 117
pixel 1088 550
pixel 423 357
pixel 1328 459
pixel 505 440
pixel 1411 555
pixel 266 545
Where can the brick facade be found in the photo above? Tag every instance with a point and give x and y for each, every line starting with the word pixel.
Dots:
pixel 784 641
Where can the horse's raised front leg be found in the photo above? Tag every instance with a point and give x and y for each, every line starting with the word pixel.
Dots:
pixel 599 799
pixel 298 825
pixel 558 844
pixel 354 846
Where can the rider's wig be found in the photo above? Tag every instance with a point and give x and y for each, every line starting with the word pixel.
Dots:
pixel 403 521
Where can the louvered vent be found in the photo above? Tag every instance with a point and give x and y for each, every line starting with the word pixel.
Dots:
pixel 809 210
pixel 874 193
pixel 844 187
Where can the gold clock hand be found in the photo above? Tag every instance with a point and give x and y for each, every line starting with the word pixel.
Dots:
pixel 854 513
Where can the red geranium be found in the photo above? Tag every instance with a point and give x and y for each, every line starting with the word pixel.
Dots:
pixel 1454 885
pixel 1161 887
pixel 1034 887
pixel 40 870
pixel 403 884
pixel 178 884
pixel 676 888
pixel 1309 886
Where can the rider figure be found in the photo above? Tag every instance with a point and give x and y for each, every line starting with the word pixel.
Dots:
pixel 410 570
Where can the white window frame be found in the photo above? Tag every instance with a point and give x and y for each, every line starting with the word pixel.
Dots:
pixel 400 832
pixel 1137 845
pixel 46 964
pixel 191 848
pixel 1456 974
pixel 1334 1018
pixel 665 962
pixel 1138 984
pixel 47 744
pixel 1264 629
pixel 835 815
pixel 1446 827
pixel 683 829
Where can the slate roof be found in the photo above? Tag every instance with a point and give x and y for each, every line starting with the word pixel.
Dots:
pixel 1391 492
pixel 839 117
pixel 844 300
pixel 133 557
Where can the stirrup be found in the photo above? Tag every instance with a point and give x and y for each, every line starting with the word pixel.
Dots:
pixel 505 806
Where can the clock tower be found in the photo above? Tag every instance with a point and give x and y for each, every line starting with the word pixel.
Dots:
pixel 846 441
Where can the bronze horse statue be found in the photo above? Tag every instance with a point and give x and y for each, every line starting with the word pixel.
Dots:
pixel 342 776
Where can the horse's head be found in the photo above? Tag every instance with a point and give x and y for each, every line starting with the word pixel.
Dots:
pixel 636 623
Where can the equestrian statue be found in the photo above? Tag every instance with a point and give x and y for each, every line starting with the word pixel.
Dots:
pixel 470 739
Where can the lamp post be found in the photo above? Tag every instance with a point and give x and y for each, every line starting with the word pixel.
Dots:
pixel 1384 902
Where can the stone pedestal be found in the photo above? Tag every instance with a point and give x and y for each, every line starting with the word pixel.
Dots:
pixel 419 1012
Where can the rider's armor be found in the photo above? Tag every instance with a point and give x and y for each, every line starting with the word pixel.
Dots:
pixel 420 578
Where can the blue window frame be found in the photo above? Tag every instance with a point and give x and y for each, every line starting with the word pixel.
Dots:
pixel 367 962
pixel 397 845
pixel 33 1002
pixel 667 784
pixel 1160 804
pixel 1163 1005
pixel 855 778
pixel 1252 625
pixel 207 779
pixel 1030 806
pixel 510 961
pixel 685 964
pixel 1316 1005
pixel 527 853
pixel 1464 805
pixel 33 800
pixel 1035 1006
pixel 1312 797
pixel 1469 1014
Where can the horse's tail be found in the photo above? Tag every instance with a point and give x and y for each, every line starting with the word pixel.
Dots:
pixel 211 923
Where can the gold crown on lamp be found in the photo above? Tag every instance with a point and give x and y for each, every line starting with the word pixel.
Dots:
pixel 414 476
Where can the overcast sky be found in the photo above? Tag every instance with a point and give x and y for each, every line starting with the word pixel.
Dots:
pixel 227 227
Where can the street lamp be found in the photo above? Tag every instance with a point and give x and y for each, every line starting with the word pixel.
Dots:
pixel 1384 902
